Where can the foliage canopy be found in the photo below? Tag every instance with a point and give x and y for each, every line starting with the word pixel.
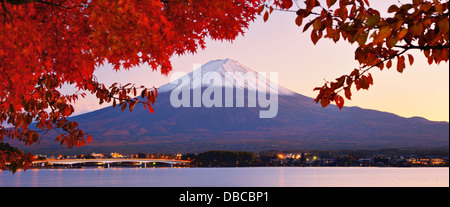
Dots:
pixel 46 44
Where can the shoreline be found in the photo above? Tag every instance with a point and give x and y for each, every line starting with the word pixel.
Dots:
pixel 217 167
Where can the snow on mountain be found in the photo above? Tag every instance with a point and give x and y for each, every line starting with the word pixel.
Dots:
pixel 231 74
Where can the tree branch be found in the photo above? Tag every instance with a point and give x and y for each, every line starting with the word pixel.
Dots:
pixel 410 46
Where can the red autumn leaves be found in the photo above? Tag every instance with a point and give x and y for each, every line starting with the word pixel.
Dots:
pixel 383 42
pixel 48 44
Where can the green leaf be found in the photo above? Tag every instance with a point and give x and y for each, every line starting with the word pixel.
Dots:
pixel 363 39
pixel 373 20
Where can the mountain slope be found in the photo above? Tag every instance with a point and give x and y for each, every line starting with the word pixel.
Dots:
pixel 300 124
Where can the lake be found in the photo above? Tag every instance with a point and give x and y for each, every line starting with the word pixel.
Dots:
pixel 229 177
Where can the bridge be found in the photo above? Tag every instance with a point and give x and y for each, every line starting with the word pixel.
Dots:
pixel 107 161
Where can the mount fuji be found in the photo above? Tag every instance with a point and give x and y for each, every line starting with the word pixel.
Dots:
pixel 298 124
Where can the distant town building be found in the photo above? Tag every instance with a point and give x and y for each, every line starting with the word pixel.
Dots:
pixel 436 161
pixel 116 155
pixel 97 156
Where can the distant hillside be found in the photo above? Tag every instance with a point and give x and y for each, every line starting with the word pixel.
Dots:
pixel 300 124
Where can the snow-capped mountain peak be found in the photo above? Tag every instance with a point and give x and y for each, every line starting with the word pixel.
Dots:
pixel 230 73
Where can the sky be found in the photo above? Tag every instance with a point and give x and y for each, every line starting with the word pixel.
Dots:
pixel 279 45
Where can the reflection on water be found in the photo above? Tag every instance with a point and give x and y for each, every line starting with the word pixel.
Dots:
pixel 229 177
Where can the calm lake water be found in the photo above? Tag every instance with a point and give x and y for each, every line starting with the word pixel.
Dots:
pixel 229 177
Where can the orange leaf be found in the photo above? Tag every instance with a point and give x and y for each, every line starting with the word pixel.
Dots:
pixel 381 66
pixel 402 33
pixel 339 101
pixel 400 64
pixel 132 105
pixel 416 29
pixel 317 24
pixel 343 13
pixel 355 72
pixel 370 79
pixel 299 21
pixel 389 64
pixel 330 3
pixel 438 6
pixel 348 93
pixel 340 81
pixel 89 139
pixel 385 31
pixel 310 4
pixel 324 102
pixel 307 25
pixel 314 37
pixel 156 92
pixel 393 8
pixel 364 83
pixel 411 59
pixel 150 109
pixel 443 25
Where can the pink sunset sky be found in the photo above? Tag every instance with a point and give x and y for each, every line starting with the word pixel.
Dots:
pixel 280 46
